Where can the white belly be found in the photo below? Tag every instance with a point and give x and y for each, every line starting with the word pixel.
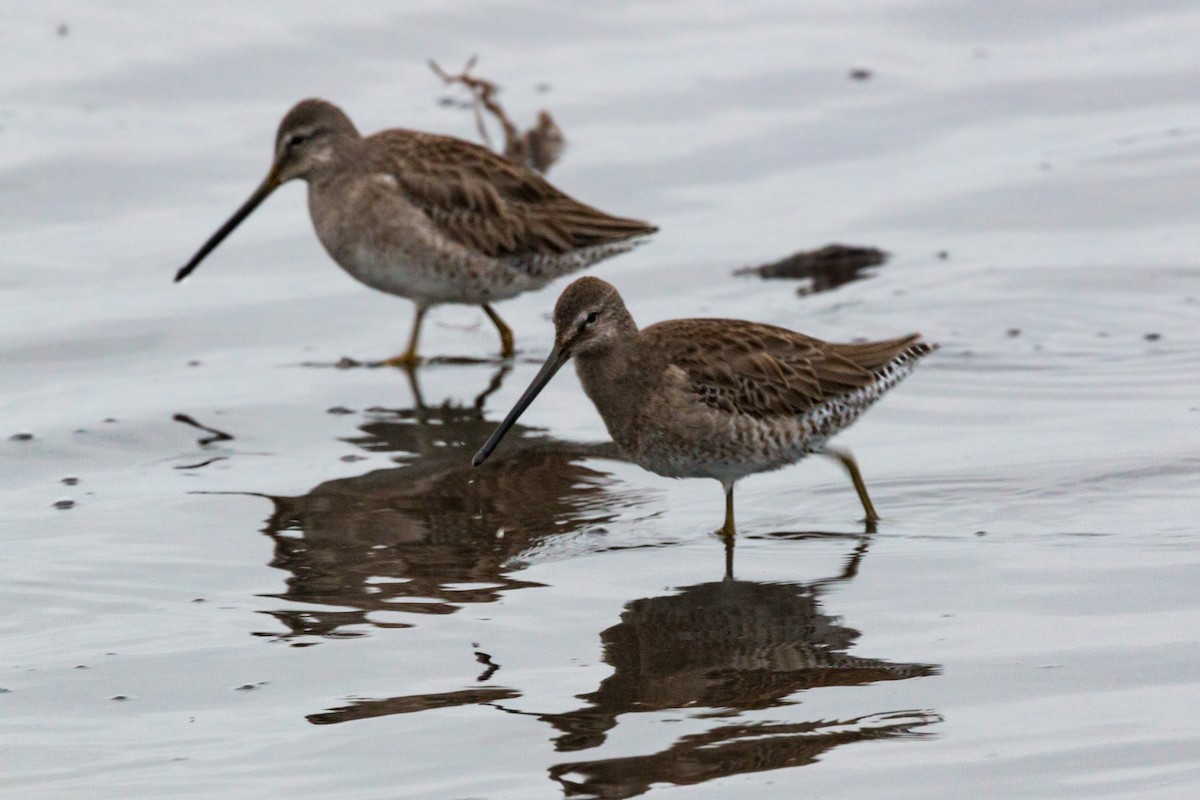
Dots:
pixel 390 245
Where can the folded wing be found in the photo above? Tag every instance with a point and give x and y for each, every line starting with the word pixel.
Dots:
pixel 477 198
pixel 764 371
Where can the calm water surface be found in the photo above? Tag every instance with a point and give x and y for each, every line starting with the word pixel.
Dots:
pixel 274 578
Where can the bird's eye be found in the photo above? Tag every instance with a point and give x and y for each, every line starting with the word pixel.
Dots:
pixel 297 139
pixel 591 317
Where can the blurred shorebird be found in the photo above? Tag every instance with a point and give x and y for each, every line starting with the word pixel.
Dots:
pixel 431 218
pixel 715 398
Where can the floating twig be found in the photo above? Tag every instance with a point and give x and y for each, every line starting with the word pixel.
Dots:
pixel 537 148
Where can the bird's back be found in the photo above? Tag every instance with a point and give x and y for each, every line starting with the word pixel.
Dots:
pixel 765 372
pixel 495 208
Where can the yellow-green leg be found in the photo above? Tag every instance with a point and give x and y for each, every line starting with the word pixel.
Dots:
pixel 409 357
pixel 728 529
pixel 851 466
pixel 506 334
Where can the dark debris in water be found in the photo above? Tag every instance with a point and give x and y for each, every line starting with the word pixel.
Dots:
pixel 204 441
pixel 21 437
pixel 1152 337
pixel 70 481
pixel 204 463
pixel 486 660
pixel 827 268
pixel 64 504
pixel 860 74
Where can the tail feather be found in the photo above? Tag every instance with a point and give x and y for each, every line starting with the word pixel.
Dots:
pixel 874 356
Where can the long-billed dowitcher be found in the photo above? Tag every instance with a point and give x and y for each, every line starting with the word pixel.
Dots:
pixel 714 398
pixel 431 218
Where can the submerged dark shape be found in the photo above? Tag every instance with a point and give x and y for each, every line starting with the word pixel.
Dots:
pixel 829 267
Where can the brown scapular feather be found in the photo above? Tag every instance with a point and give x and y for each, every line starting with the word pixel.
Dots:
pixel 765 371
pixel 479 199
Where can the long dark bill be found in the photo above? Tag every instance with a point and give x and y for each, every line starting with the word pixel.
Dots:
pixel 553 362
pixel 261 193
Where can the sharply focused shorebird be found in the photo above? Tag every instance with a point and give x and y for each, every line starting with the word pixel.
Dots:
pixel 714 398
pixel 431 218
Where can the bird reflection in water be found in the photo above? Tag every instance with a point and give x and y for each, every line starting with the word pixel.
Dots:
pixel 430 534
pixel 728 646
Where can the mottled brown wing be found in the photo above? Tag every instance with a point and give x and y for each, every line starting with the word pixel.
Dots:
pixel 764 371
pixel 479 199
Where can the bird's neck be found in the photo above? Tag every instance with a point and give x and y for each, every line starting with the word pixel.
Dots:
pixel 336 161
pixel 616 381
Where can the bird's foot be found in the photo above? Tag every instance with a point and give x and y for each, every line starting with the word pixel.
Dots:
pixel 407 360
